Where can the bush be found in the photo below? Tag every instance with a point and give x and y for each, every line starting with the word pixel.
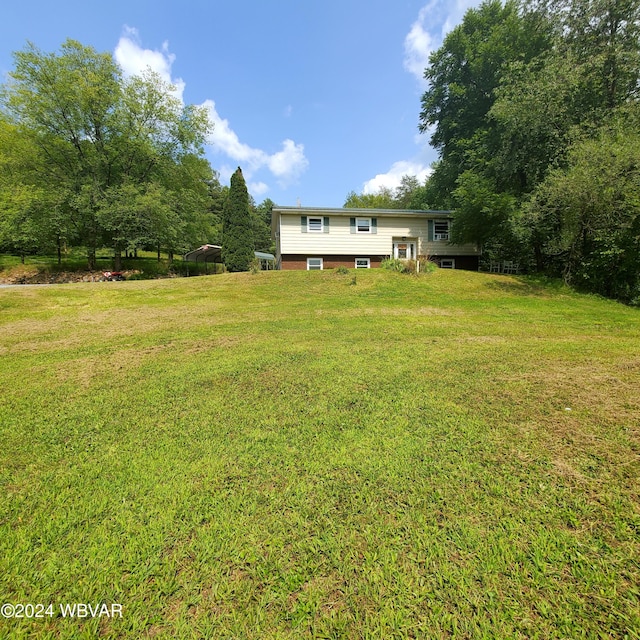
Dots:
pixel 428 266
pixel 400 266
pixel 342 270
pixel 255 266
pixel 183 268
pixel 393 264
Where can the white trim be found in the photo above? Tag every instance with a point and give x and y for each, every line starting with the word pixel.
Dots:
pixel 320 264
pixel 316 230
pixel 451 263
pixel 367 221
pixel 443 235
pixel 365 260
pixel 410 248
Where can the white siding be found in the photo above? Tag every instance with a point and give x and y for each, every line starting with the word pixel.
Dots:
pixel 340 240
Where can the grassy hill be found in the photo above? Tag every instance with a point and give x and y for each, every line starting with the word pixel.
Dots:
pixel 305 455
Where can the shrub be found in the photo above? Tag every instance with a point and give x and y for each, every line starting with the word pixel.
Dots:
pixel 342 270
pixel 183 268
pixel 393 264
pixel 138 276
pixel 428 266
pixel 255 266
pixel 400 266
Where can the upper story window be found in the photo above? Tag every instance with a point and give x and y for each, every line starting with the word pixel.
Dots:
pixel 314 224
pixel 363 225
pixel 441 229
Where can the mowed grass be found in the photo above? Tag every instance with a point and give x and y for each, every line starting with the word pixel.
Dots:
pixel 290 455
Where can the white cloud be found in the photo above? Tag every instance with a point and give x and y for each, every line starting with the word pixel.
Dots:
pixel 419 43
pixel 133 59
pixel 226 140
pixel 427 33
pixel 285 165
pixel 434 21
pixel 290 162
pixel 257 188
pixel 392 178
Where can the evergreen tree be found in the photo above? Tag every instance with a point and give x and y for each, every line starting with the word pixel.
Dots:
pixel 237 230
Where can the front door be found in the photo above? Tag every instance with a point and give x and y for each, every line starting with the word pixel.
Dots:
pixel 404 249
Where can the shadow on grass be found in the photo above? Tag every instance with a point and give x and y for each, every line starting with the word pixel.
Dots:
pixel 535 285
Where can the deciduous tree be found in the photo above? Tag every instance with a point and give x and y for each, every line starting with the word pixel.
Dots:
pixel 101 137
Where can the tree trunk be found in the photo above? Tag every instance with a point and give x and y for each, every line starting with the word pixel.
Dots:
pixel 59 251
pixel 117 259
pixel 158 252
pixel 91 258
pixel 170 257
pixel 537 251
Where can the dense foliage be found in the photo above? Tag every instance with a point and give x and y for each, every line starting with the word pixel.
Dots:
pixel 410 194
pixel 91 158
pixel 237 228
pixel 533 108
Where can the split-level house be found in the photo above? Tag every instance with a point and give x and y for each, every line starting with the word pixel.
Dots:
pixel 317 238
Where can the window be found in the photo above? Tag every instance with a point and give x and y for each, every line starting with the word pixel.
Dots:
pixel 441 230
pixel 363 263
pixel 314 264
pixel 449 263
pixel 363 225
pixel 314 225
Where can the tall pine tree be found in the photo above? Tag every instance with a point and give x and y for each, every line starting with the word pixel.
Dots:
pixel 237 232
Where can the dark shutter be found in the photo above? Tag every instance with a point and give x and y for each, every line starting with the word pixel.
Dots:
pixel 430 232
pixel 374 225
pixel 352 224
pixel 326 224
pixel 303 224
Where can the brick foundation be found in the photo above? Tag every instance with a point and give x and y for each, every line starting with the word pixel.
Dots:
pixel 329 262
pixel 290 261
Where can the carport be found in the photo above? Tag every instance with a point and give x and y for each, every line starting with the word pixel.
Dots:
pixel 207 253
pixel 267 260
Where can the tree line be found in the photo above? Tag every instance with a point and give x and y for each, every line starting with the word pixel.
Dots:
pixel 533 108
pixel 91 158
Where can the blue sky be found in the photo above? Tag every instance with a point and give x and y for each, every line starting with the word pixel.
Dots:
pixel 312 99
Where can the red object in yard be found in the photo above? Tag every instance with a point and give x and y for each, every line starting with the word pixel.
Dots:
pixel 112 275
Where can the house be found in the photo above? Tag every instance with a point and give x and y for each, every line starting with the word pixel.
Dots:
pixel 317 238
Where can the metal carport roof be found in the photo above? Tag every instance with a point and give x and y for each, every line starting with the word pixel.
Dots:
pixel 205 253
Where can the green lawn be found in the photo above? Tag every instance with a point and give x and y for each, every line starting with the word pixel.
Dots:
pixel 292 455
